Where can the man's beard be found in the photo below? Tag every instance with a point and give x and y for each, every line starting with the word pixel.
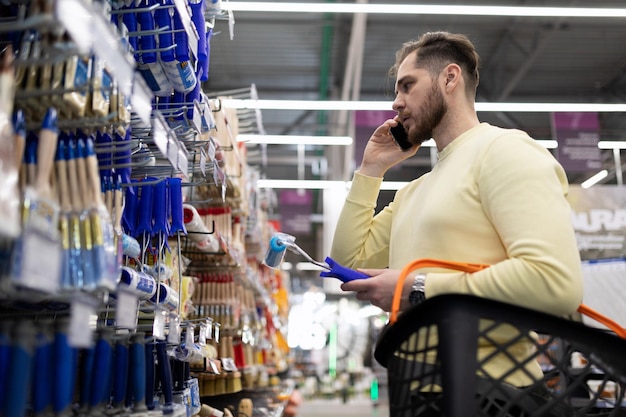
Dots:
pixel 432 112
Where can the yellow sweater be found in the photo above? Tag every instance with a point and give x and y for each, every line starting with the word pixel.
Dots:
pixel 494 197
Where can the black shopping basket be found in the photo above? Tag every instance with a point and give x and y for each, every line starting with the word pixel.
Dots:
pixel 434 368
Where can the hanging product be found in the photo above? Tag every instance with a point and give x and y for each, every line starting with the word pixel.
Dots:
pixel 280 242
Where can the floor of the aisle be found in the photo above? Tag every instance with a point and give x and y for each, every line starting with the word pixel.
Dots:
pixel 361 407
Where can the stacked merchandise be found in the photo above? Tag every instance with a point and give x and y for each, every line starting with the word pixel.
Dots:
pixel 126 285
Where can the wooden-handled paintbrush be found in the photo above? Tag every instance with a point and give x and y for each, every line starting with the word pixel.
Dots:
pixel 40 255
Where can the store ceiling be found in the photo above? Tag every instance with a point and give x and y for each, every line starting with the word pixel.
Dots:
pixel 303 56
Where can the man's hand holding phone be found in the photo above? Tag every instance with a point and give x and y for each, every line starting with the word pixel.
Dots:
pixel 381 153
pixel 400 136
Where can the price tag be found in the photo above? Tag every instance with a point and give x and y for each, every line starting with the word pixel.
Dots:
pixel 82 313
pixel 213 367
pixel 211 149
pixel 158 327
pixel 202 335
pixel 228 364
pixel 209 328
pixel 173 336
pixel 203 159
pixel 40 261
pixel 216 332
pixel 127 310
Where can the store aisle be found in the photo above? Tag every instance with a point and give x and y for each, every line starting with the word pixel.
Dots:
pixel 355 407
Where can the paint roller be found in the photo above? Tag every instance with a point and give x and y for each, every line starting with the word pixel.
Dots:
pixel 280 242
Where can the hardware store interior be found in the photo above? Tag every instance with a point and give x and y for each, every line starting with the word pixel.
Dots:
pixel 136 217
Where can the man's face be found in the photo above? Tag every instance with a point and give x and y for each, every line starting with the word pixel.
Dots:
pixel 419 101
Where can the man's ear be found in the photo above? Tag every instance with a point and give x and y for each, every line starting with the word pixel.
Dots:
pixel 453 75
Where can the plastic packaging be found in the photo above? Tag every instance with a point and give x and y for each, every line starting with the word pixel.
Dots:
pixel 180 70
pixel 197 231
pixel 12 140
pixel 147 60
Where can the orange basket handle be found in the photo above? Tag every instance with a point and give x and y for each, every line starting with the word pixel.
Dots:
pixel 468 267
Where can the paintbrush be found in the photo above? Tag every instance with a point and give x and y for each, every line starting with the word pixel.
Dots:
pixel 67 278
pixel 9 168
pixel 19 127
pixel 80 262
pixel 92 242
pixel 104 234
pixel 39 259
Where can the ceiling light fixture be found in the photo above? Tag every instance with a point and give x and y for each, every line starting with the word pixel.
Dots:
pixel 321 184
pixel 612 144
pixel 386 105
pixel 295 140
pixel 595 179
pixel 549 144
pixel 424 9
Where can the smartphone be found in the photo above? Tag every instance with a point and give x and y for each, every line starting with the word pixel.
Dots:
pixel 400 136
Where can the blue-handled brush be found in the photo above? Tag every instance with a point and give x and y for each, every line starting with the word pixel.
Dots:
pixel 64 371
pixel 281 242
pixel 165 376
pixel 100 378
pixel 136 392
pixel 20 368
pixel 120 374
pixel 42 372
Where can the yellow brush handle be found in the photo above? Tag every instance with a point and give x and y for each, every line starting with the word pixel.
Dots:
pixel 64 191
pixel 73 182
pixel 94 179
pixel 85 197
pixel 46 148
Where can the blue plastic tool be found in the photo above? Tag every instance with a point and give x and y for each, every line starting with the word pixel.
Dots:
pixel 280 242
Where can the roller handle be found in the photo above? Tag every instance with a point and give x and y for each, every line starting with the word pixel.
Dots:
pixel 86 372
pixel 5 361
pixel 176 206
pixel 137 386
pixel 341 272
pixel 145 208
pixel 120 373
pixel 165 376
pixel 63 380
pixel 101 372
pixel 20 368
pixel 129 215
pixel 166 38
pixel 149 375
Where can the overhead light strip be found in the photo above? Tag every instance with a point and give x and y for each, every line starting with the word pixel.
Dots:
pixel 595 179
pixel 321 184
pixel 386 105
pixel 423 9
pixel 294 140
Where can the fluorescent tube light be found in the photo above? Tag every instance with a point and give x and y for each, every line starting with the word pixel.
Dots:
pixel 300 184
pixel 321 184
pixel 423 9
pixel 295 140
pixel 546 143
pixel 595 179
pixel 386 105
pixel 612 144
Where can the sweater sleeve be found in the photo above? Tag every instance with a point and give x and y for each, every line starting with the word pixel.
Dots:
pixel 523 191
pixel 361 239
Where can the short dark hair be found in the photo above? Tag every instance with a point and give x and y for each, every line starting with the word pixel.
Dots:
pixel 435 50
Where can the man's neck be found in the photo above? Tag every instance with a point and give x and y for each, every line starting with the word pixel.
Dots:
pixel 453 126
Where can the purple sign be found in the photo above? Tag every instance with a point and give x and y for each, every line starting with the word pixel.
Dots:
pixel 577 134
pixel 295 211
pixel 366 122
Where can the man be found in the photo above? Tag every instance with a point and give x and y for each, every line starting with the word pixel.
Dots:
pixel 495 196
